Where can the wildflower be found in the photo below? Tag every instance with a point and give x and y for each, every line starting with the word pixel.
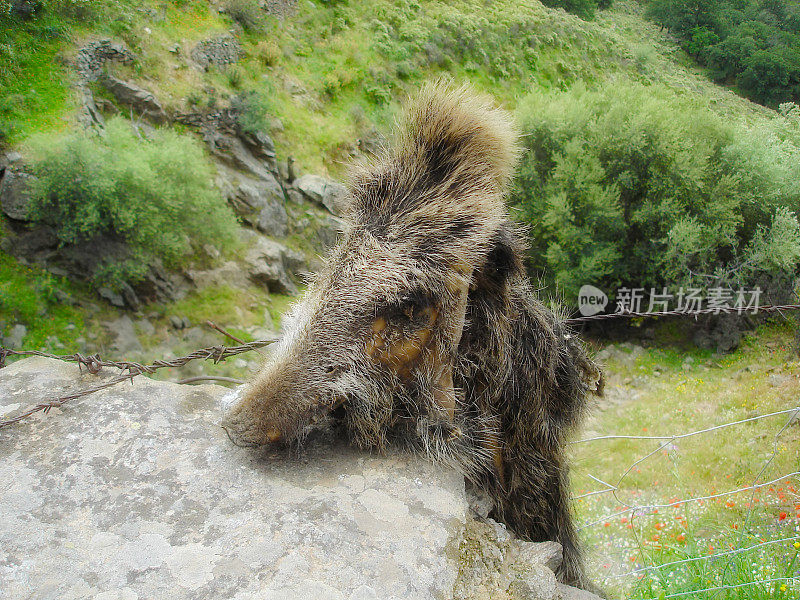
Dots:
pixel 730 504
pixel 797 545
pixel 783 587
pixel 660 526
pixel 781 516
pixel 606 524
pixel 681 537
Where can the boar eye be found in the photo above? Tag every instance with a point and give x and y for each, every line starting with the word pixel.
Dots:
pixel 408 308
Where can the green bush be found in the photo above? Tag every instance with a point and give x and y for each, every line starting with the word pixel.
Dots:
pixel 254 108
pixel 268 52
pixel 635 186
pixel 752 43
pixel 79 10
pixel 155 195
pixel 585 9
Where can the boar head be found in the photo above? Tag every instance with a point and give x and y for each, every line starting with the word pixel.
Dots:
pixel 378 331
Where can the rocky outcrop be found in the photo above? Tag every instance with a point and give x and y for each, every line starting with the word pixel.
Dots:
pixel 15 337
pixel 89 64
pixel 228 273
pixel 162 285
pixel 325 192
pixel 269 264
pixel 130 94
pixel 495 565
pixel 93 57
pixel 260 202
pixel 14 192
pixel 248 151
pixel 219 51
pixel 280 8
pixel 125 342
pixel 136 492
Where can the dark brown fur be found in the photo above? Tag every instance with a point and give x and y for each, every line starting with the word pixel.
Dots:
pixel 424 329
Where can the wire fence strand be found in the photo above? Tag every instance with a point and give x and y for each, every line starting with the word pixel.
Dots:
pixel 629 314
pixel 128 370
pixel 796 409
pixel 725 587
pixel 707 557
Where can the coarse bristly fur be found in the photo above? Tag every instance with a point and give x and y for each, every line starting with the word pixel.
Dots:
pixel 423 328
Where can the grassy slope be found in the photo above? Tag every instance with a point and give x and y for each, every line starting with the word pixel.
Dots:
pixel 663 395
pixel 331 74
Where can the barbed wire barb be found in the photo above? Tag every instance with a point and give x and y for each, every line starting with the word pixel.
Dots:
pixel 128 370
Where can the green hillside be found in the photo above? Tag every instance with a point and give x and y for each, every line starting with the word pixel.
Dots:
pixel 671 150
pixel 332 70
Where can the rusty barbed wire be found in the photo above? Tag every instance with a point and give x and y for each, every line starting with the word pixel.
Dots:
pixel 627 314
pixel 129 369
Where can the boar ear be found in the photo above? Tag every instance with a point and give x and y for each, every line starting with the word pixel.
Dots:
pixel 451 163
pixel 454 315
pixel 486 285
pixel 503 259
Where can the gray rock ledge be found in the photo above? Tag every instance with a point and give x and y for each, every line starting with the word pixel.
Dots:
pixel 135 492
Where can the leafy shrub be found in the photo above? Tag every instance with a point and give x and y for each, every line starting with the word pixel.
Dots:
pixel 235 76
pixel 751 43
pixel 585 9
pixel 633 186
pixel 155 195
pixel 254 108
pixel 80 10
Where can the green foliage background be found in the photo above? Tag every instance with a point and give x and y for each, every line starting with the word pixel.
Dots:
pixel 155 194
pixel 639 172
pixel 631 185
pixel 754 44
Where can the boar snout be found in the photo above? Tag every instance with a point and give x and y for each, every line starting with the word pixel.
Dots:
pixel 290 397
pixel 244 428
pixel 280 406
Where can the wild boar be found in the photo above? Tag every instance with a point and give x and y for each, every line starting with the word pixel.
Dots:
pixel 423 328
